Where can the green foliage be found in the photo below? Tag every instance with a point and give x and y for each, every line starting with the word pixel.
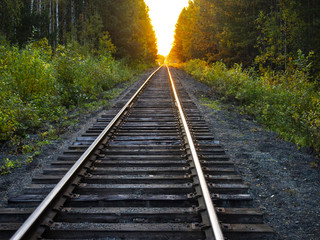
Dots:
pixel 28 89
pixel 8 165
pixel 195 33
pixel 84 78
pixel 261 32
pixel 106 47
pixel 123 26
pixel 196 67
pixel 130 29
pixel 280 39
pixel 214 30
pixel 287 103
pixel 42 81
pixel 37 86
pixel 211 104
pixel 10 16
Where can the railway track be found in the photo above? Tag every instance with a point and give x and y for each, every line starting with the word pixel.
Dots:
pixel 137 174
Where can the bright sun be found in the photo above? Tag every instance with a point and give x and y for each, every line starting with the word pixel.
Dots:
pixel 164 15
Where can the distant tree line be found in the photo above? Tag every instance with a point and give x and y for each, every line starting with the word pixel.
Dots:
pixel 269 33
pixel 125 22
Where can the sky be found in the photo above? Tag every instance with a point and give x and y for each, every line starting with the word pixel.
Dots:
pixel 164 15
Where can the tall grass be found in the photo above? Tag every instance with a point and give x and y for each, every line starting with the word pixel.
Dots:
pixel 286 102
pixel 37 85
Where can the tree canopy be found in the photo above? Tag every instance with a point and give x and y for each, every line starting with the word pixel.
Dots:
pixel 125 22
pixel 247 31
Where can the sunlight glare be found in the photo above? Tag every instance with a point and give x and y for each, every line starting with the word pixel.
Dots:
pixel 164 15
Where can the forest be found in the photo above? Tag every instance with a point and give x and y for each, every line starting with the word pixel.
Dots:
pixel 59 59
pixel 85 22
pixel 262 55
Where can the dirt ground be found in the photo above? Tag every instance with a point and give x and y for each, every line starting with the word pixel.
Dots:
pixel 283 179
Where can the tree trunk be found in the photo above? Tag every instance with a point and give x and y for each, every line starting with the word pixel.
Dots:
pixel 31 6
pixel 73 32
pixel 84 21
pixel 57 22
pixel 50 17
pixel 39 6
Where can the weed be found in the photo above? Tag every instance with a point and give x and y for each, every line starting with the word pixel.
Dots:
pixel 314 164
pixel 27 149
pixel 211 104
pixel 29 159
pixel 285 102
pixel 8 165
pixel 38 89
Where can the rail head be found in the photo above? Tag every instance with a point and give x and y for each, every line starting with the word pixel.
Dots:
pixel 46 203
pixel 217 232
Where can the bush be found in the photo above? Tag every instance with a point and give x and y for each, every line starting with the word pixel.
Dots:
pixel 286 102
pixel 28 90
pixel 84 78
pixel 37 86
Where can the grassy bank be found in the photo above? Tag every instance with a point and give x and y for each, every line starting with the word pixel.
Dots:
pixel 40 89
pixel 285 102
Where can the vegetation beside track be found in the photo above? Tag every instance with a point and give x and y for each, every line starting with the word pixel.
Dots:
pixel 270 53
pixel 286 102
pixel 42 92
pixel 59 59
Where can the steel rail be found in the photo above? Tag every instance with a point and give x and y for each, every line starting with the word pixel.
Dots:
pixel 217 232
pixel 39 211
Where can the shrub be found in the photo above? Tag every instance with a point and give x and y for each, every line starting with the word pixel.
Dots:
pixel 286 102
pixel 28 90
pixel 37 86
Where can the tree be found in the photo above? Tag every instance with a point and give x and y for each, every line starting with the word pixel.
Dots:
pixel 267 32
pixel 130 28
pixel 127 23
pixel 10 18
